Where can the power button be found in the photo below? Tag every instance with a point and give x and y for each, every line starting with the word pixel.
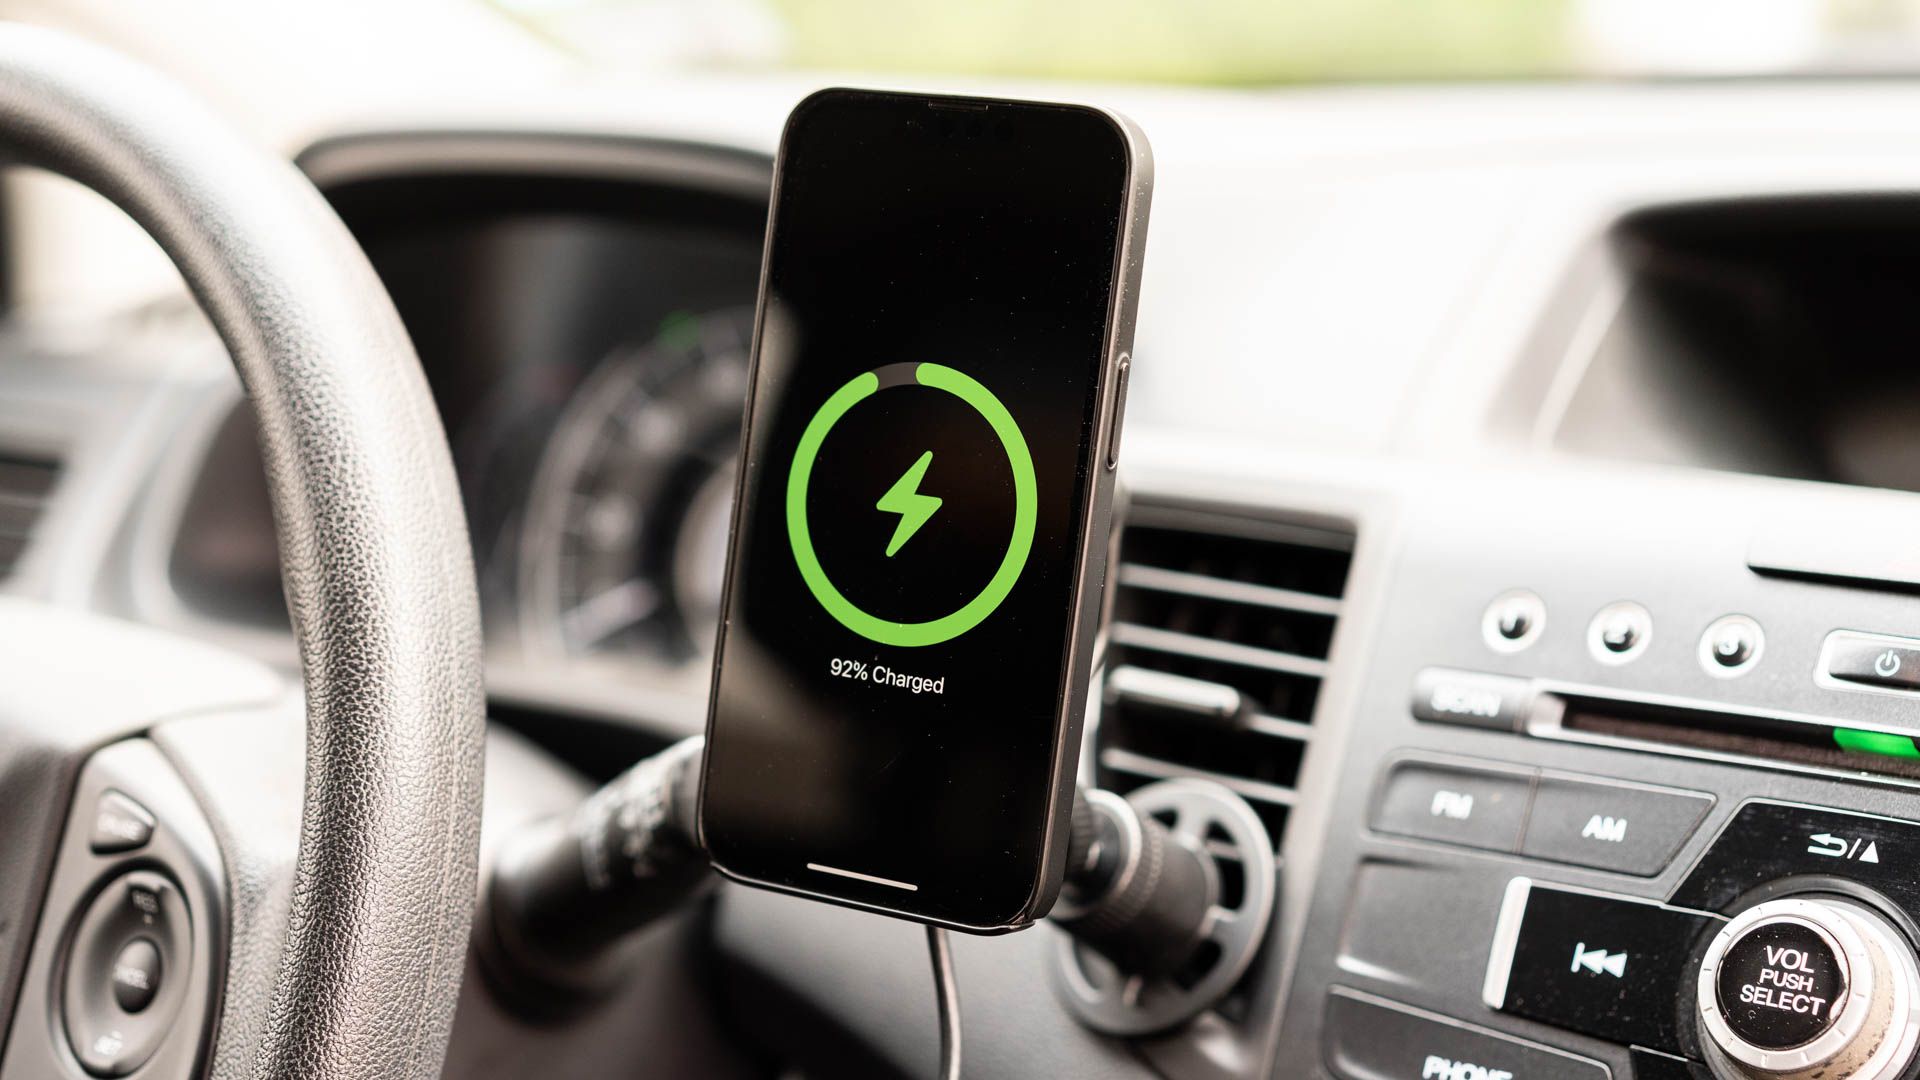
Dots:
pixel 1876 660
pixel 1121 378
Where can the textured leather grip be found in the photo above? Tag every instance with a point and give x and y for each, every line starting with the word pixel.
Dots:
pixel 375 557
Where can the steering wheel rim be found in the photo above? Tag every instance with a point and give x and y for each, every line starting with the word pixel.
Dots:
pixel 375 558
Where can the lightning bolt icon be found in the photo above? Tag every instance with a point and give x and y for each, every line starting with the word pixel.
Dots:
pixel 904 498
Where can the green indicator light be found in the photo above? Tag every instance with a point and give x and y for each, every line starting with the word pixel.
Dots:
pixel 914 509
pixel 1876 742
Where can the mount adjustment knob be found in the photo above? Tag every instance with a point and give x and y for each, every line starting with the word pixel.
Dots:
pixel 1800 988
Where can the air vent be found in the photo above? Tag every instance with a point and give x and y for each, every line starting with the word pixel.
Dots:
pixel 26 482
pixel 1220 640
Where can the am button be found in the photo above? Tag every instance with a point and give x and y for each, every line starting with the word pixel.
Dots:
pixel 1626 828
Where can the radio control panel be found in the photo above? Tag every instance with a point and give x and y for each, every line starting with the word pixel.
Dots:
pixel 1616 803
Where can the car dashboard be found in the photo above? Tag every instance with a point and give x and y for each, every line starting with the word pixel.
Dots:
pixel 1528 470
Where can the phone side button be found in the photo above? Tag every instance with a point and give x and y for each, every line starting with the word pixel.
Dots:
pixel 1122 378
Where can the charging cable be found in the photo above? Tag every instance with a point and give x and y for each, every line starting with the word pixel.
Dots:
pixel 946 995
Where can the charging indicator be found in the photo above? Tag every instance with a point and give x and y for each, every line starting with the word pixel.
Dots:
pixel 913 507
pixel 1883 743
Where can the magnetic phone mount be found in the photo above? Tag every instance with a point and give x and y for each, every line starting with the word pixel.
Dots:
pixel 1168 896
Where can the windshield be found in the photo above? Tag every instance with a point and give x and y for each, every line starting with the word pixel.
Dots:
pixel 1244 42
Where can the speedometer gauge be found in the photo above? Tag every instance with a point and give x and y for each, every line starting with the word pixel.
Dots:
pixel 624 541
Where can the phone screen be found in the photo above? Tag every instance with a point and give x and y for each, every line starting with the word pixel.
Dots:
pixel 933 350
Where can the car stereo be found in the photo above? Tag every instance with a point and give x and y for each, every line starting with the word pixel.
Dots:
pixel 1618 802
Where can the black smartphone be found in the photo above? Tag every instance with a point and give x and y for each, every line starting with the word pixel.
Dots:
pixel 920 528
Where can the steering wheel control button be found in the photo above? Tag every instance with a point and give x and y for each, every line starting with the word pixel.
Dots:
pixel 1731 646
pixel 1479 808
pixel 1768 840
pixel 1470 699
pixel 1626 828
pixel 1513 621
pixel 1371 1038
pixel 1804 987
pixel 1851 660
pixel 119 824
pixel 136 975
pixel 122 985
pixel 1619 633
pixel 1608 966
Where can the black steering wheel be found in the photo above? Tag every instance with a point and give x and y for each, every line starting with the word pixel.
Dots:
pixel 375 558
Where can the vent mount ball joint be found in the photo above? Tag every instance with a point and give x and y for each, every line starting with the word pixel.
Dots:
pixel 1155 932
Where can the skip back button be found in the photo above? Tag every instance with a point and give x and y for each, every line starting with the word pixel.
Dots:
pixel 1607 966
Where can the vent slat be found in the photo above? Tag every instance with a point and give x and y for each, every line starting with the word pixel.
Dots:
pixel 1179 581
pixel 1220 641
pixel 1225 652
pixel 1279 728
pixel 1142 765
pixel 1217 703
pixel 1242 556
pixel 26 484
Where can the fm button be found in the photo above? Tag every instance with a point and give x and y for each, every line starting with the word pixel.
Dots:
pixel 1803 987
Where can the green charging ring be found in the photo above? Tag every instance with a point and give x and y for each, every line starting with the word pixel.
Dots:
pixel 1019 545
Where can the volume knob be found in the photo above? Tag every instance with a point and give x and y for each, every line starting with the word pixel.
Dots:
pixel 1799 988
